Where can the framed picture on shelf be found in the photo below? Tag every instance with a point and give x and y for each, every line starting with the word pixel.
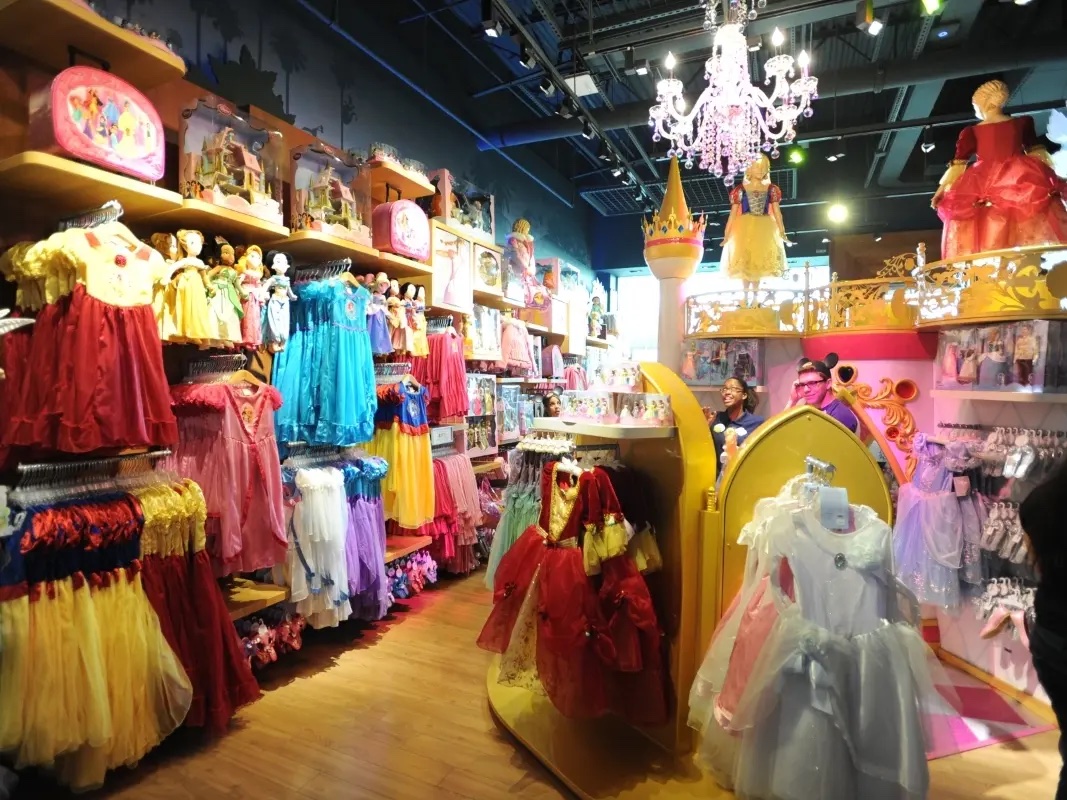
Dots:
pixel 709 362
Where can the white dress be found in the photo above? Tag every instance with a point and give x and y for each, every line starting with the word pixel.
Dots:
pixel 316 568
pixel 834 706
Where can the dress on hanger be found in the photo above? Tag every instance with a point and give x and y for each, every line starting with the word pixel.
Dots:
pixel 928 536
pixel 227 445
pixel 402 438
pixel 1006 198
pixel 97 379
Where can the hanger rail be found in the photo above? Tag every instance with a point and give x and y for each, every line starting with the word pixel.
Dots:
pixel 110 211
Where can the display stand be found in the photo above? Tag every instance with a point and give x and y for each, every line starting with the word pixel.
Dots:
pixel 606 758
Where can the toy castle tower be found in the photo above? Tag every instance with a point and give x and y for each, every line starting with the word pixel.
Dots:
pixel 674 246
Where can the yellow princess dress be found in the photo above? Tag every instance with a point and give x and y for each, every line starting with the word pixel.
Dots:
pixel 754 247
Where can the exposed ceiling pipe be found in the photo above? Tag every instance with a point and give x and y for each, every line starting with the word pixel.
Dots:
pixel 855 80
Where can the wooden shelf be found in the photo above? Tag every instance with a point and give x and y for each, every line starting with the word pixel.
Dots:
pixel 556 425
pixel 400 546
pixel 487 466
pixel 498 301
pixel 992 396
pixel 400 267
pixel 69 187
pixel 213 220
pixel 246 597
pixel 42 30
pixel 313 246
pixel 591 342
pixel 391 174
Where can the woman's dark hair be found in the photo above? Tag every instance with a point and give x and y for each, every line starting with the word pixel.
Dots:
pixel 1042 516
pixel 750 401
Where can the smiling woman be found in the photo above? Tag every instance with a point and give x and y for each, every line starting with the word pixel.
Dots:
pixel 739 400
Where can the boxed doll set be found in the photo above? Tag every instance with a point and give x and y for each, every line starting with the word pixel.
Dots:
pixel 1025 356
pixel 588 406
pixel 710 362
pixel 618 377
pixel 643 409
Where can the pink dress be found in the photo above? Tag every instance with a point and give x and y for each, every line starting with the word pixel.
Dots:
pixel 252 321
pixel 226 444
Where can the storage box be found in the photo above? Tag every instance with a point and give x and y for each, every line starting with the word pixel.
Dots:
pixel 90 115
pixel 555 317
pixel 230 160
pixel 1031 370
pixel 484 335
pixel 958 351
pixel 507 414
pixel 323 194
pixel 548 274
pixel 400 227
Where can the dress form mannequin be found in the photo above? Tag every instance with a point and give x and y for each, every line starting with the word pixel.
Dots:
pixel 754 241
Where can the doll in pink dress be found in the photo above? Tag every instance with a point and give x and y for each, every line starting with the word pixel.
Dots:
pixel 250 267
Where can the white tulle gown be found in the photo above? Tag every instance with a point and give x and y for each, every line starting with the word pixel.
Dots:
pixel 817 683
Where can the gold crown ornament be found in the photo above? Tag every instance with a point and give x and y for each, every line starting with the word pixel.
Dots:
pixel 674 238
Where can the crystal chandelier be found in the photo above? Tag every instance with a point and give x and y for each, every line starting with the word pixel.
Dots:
pixel 733 120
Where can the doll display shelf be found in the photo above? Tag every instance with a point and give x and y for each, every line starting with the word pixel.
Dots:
pixel 994 396
pixel 44 31
pixel 315 246
pixel 391 181
pixel 594 342
pixel 69 187
pixel 197 214
pixel 603 431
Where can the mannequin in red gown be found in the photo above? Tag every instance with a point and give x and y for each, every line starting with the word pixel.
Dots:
pixel 1010 196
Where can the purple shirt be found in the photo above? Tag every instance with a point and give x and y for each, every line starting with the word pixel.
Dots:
pixel 843 414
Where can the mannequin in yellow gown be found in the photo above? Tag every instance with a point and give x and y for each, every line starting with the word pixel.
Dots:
pixel 754 241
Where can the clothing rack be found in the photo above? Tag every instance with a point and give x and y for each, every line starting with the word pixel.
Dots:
pixel 438 324
pixel 322 270
pixel 819 471
pixel 302 454
pixel 443 450
pixel 545 442
pixel 391 372
pixel 58 478
pixel 110 211
pixel 215 365
pixel 592 455
pixel 965 426
pixel 572 361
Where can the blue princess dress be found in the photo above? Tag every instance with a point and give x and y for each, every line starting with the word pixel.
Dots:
pixel 378 326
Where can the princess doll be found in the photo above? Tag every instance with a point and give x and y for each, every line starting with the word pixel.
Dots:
pixel 407 302
pixel 377 323
pixel 227 295
pixel 250 268
pixel 398 323
pixel 1010 196
pixel 519 260
pixel 754 241
pixel 419 345
pixel 280 293
pixel 185 315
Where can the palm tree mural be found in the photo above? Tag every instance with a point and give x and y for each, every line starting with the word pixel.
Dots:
pixel 290 56
pixel 131 3
pixel 342 74
pixel 227 24
pixel 200 8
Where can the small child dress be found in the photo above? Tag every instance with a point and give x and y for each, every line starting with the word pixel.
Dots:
pixel 928 538
pixel 227 445
pixel 402 438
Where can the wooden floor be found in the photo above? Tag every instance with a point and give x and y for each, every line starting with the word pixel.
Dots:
pixel 398 712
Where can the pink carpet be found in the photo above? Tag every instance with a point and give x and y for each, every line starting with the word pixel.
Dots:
pixel 986 717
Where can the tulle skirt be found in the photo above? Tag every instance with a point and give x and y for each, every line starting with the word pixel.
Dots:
pixel 521 510
pixel 928 545
pixel 755 249
pixel 997 205
pixel 836 717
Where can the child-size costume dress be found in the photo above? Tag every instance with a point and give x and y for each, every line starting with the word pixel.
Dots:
pixel 572 616
pixel 227 445
pixel 1006 198
pixel 755 249
pixel 96 378
pixel 402 438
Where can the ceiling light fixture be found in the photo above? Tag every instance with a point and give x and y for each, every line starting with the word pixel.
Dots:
pixel 566 109
pixel 527 58
pixel 490 24
pixel 825 240
pixel 928 143
pixel 837 213
pixel 627 178
pixel 733 120
pixel 617 170
pixel 604 153
pixel 931 7
pixel 878 238
pixel 865 18
pixel 587 130
pixel 641 68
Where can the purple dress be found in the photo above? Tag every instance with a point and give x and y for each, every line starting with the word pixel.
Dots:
pixel 368 586
pixel 843 414
pixel 378 326
pixel 928 537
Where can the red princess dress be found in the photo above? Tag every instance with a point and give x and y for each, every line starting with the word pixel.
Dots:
pixel 590 642
pixel 1009 197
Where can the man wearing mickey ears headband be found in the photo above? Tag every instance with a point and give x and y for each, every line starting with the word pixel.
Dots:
pixel 814 387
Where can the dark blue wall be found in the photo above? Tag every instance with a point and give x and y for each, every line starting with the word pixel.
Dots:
pixel 276 53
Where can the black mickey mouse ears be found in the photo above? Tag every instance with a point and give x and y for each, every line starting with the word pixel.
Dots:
pixel 823 367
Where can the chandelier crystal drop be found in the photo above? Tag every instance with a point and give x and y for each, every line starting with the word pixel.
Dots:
pixel 733 120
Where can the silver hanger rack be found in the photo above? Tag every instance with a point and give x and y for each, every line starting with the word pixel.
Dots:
pixel 391 372
pixel 302 454
pixel 214 366
pixel 821 472
pixel 108 212
pixel 572 361
pixel 964 426
pixel 44 482
pixel 322 270
pixel 438 324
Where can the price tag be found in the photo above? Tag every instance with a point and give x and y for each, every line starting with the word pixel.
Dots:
pixel 834 511
pixel 962 485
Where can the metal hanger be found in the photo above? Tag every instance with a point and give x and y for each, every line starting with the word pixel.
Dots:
pixel 46 483
pixel 325 270
pixel 110 211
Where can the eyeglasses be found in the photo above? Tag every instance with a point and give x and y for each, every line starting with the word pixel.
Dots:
pixel 731 390
pixel 809 386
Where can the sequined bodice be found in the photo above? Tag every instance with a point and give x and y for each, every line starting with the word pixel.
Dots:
pixel 931 474
pixel 757 202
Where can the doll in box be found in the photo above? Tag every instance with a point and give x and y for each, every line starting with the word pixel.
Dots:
pixel 280 292
pixel 994 369
pixel 254 296
pixel 226 295
pixel 1025 354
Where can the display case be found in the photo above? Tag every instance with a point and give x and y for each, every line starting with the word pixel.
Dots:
pixel 450 285
pixel 323 193
pixel 482 342
pixel 92 116
pixel 644 409
pixel 1023 356
pixel 588 406
pixel 462 205
pixel 508 412
pixel 709 362
pixel 482 415
pixel 623 376
pixel 229 160
pixel 487 275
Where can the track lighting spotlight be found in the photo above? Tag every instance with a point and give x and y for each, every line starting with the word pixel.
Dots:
pixel 527 58
pixel 928 143
pixel 490 24
pixel 587 130
pixel 604 153
pixel 547 88
pixel 566 109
